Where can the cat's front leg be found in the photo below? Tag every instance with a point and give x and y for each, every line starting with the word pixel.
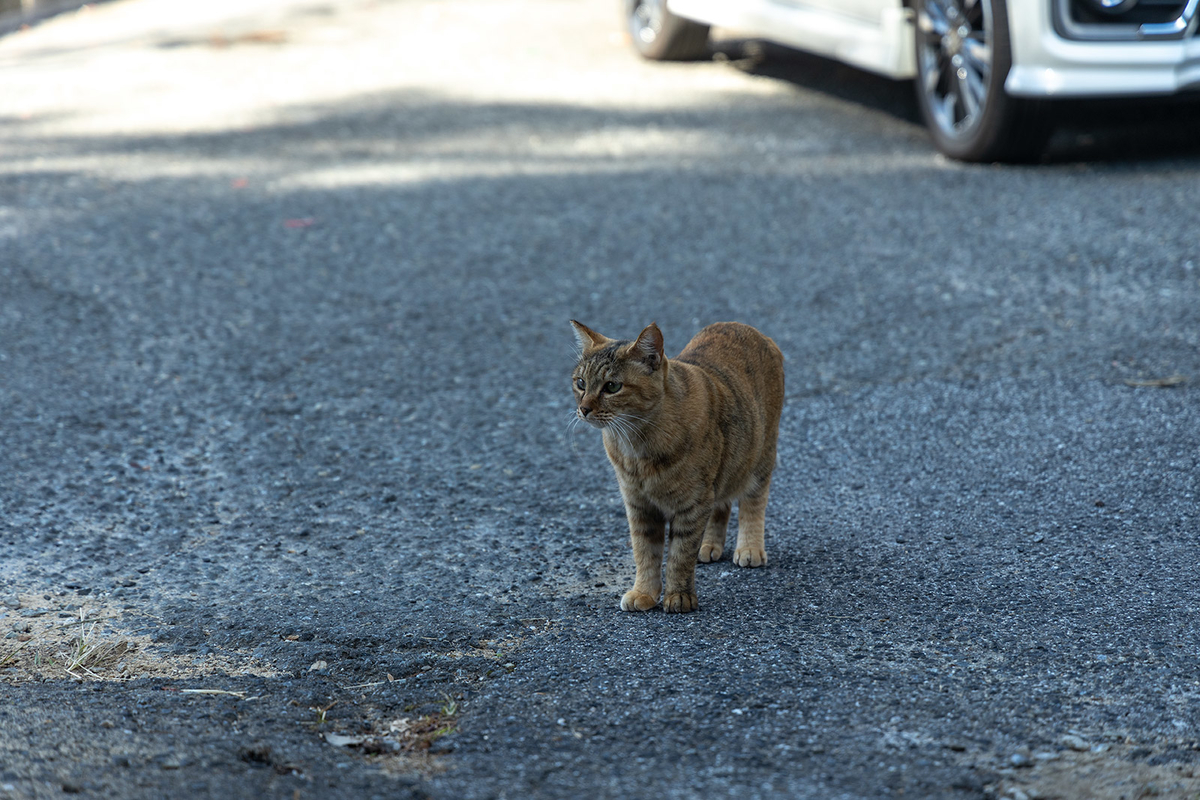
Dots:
pixel 687 529
pixel 647 529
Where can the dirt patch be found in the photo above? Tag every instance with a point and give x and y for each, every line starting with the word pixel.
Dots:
pixel 50 637
pixel 405 745
pixel 1120 771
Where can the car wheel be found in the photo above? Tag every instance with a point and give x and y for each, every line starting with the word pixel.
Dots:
pixel 963 57
pixel 661 36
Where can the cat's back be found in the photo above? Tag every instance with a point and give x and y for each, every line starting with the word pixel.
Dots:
pixel 741 357
pixel 735 346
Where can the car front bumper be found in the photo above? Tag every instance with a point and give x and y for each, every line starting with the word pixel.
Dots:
pixel 1045 64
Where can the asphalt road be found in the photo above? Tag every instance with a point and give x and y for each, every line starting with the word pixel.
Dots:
pixel 284 362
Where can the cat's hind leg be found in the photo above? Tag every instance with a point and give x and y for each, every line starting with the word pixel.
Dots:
pixel 713 543
pixel 751 550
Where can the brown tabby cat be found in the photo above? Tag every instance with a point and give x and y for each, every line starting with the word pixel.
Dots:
pixel 686 436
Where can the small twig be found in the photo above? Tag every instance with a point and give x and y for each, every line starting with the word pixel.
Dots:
pixel 1161 383
pixel 238 695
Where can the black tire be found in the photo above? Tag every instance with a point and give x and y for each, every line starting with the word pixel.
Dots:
pixel 659 35
pixel 963 58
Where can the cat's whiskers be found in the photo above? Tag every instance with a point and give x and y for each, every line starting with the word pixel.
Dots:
pixel 628 432
pixel 572 429
pixel 646 422
pixel 618 434
pixel 630 428
pixel 625 431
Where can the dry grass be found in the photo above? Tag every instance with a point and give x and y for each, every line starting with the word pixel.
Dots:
pixel 421 733
pixel 92 650
pixel 97 642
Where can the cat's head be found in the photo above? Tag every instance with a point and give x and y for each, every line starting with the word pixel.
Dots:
pixel 618 380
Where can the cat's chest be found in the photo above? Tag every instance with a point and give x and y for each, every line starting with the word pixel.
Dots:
pixel 668 484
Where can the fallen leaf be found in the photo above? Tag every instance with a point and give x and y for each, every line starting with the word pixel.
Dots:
pixel 264 37
pixel 340 740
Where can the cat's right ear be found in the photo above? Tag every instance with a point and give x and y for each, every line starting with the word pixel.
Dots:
pixel 649 347
pixel 588 338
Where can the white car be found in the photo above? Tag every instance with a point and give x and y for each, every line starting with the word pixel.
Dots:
pixel 983 68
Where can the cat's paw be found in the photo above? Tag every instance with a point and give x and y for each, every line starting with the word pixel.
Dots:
pixel 680 603
pixel 637 601
pixel 710 552
pixel 750 557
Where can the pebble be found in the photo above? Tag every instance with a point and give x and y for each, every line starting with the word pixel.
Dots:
pixel 10 601
pixel 1075 742
pixel 172 761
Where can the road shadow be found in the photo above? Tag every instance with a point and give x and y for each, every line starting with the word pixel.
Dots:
pixel 1084 131
pixel 1118 130
pixel 818 74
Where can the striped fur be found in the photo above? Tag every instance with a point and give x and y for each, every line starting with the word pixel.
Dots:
pixel 687 437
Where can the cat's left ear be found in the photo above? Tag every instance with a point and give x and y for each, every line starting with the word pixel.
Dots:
pixel 649 347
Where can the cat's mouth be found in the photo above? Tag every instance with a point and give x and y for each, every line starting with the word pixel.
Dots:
pixel 594 420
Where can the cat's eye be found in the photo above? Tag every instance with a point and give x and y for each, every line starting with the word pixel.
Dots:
pixel 612 387
pixel 579 384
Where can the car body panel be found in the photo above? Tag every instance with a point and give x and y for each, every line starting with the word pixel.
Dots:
pixel 877 35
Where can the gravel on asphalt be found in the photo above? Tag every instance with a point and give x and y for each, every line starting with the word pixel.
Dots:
pixel 289 501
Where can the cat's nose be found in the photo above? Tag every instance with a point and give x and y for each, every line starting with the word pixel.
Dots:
pixel 584 411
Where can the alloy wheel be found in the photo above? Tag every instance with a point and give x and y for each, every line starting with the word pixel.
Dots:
pixel 955 48
pixel 646 20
